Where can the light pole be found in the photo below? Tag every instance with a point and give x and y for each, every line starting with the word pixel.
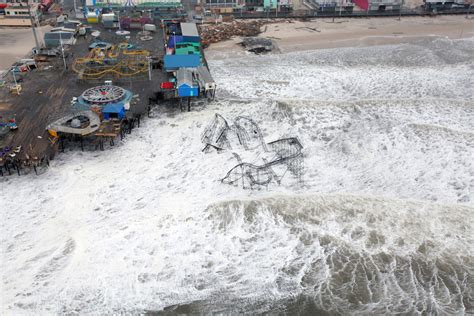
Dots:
pixel 149 68
pixel 62 49
pixel 33 22
pixel 14 77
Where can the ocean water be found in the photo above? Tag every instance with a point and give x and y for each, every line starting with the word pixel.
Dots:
pixel 382 222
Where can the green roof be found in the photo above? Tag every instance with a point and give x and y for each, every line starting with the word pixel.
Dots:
pixel 187 50
pixel 184 44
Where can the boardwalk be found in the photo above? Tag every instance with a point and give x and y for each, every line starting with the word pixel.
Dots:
pixel 48 91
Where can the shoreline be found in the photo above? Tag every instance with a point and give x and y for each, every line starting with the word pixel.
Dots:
pixel 324 34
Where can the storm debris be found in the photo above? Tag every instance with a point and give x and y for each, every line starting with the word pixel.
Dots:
pixel 221 32
pixel 258 45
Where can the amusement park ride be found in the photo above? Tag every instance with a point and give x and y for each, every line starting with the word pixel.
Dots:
pixel 112 61
pixel 272 161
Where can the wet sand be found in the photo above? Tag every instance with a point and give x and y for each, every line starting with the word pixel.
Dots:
pixel 343 32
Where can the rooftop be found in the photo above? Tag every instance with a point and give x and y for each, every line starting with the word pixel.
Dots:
pixel 173 62
pixel 189 29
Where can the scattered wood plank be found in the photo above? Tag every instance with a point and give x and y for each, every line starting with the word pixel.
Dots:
pixel 308 28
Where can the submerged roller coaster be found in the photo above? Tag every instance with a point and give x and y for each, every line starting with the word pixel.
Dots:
pixel 283 156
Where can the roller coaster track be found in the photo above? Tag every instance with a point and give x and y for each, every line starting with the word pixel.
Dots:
pixel 252 171
pixel 128 63
pixel 215 134
pixel 243 132
pixel 287 151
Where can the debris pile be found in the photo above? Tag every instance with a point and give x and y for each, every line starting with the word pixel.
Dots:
pixel 221 32
pixel 258 45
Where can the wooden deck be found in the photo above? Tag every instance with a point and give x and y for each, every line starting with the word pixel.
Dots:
pixel 47 93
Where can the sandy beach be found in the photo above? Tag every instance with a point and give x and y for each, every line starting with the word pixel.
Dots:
pixel 16 43
pixel 324 33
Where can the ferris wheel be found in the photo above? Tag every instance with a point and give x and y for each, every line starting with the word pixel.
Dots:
pixel 103 94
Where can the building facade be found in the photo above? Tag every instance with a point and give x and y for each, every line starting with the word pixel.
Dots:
pixel 19 15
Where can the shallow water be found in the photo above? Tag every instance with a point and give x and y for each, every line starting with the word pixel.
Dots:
pixel 380 224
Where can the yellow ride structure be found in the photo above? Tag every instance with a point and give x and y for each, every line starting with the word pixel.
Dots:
pixel 115 61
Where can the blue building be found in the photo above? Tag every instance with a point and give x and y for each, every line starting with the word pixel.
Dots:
pixel 174 39
pixel 114 111
pixel 174 62
pixel 185 83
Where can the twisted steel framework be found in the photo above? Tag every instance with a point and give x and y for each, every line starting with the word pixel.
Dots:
pixel 286 153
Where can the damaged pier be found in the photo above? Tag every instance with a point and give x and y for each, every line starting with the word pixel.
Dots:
pixel 97 86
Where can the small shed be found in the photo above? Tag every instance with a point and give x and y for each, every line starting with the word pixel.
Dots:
pixel 190 32
pixel 114 111
pixel 185 83
pixel 174 62
pixel 206 82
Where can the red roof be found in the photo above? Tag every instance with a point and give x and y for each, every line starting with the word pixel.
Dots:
pixel 363 4
pixel 167 85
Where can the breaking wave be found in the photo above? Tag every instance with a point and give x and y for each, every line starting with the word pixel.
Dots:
pixel 383 226
pixel 331 253
pixel 429 68
pixel 350 254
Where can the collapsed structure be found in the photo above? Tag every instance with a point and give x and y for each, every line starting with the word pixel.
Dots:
pixel 271 161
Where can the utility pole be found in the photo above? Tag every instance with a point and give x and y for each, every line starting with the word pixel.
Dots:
pixel 149 68
pixel 75 9
pixel 400 13
pixel 33 22
pixel 14 77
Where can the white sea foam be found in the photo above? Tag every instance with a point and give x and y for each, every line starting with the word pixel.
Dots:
pixel 381 223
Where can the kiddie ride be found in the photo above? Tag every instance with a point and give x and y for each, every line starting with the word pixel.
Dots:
pixel 7 125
